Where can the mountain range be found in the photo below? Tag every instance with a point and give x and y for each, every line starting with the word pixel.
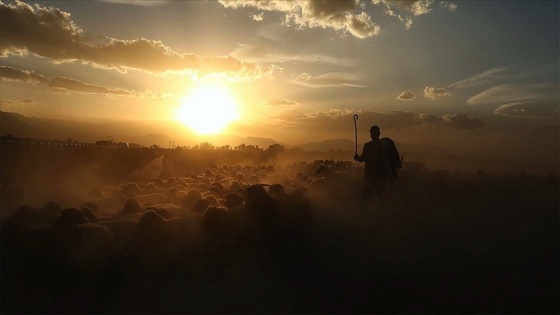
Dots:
pixel 134 131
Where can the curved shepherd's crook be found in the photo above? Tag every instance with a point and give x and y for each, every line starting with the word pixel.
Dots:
pixel 356 131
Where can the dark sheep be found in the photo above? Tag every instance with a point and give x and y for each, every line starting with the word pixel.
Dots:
pixel 201 205
pixel 88 213
pixel 233 200
pixel 24 216
pixel 131 206
pixel 91 205
pixel 190 200
pixel 51 208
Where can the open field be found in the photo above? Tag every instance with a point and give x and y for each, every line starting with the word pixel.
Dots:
pixel 164 231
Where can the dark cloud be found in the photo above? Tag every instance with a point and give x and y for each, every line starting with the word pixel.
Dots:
pixel 338 15
pixel 339 120
pixel 61 85
pixel 77 86
pixel 461 121
pixel 12 74
pixel 49 32
pixel 406 96
pixel 434 93
pixel 530 110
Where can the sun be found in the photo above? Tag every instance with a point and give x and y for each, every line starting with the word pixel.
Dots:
pixel 208 110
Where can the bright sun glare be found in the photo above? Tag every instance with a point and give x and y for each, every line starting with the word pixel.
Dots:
pixel 209 109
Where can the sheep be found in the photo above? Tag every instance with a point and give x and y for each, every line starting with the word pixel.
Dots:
pixel 88 213
pixel 154 198
pixel 52 208
pixel 201 205
pixel 234 186
pixel 191 199
pixel 233 200
pixel 131 206
pixel 159 182
pixel 24 216
pixel 122 228
pixel 131 190
pixel 61 232
pixel 211 199
pixel 217 187
pixel 95 246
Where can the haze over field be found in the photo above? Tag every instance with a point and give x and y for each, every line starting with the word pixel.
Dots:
pixel 476 77
pixel 198 156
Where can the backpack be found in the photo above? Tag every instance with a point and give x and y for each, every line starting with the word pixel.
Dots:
pixel 392 154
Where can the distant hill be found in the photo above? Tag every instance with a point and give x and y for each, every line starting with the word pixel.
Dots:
pixel 16 125
pixel 155 138
pixel 328 145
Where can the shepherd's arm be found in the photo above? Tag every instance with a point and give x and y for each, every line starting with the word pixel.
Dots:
pixel 363 157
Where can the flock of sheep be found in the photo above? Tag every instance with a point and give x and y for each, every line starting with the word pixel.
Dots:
pixel 283 238
pixel 214 217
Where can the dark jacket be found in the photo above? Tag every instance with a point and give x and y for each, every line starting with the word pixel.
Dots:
pixel 381 157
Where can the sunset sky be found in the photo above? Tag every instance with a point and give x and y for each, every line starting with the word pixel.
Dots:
pixel 296 71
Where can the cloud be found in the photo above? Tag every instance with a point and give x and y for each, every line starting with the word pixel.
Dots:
pixel 77 86
pixel 405 8
pixel 11 74
pixel 452 7
pixel 515 92
pixel 338 120
pixel 415 7
pixel 332 79
pixel 257 17
pixel 281 102
pixel 337 15
pixel 461 121
pixel 262 54
pixel 49 32
pixel 529 110
pixel 482 78
pixel 434 93
pixel 290 115
pixel 61 85
pixel 9 105
pixel 406 96
pixel 143 3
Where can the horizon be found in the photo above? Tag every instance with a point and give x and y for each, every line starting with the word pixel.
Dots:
pixel 469 76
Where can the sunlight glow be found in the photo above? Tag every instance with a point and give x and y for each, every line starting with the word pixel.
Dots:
pixel 208 110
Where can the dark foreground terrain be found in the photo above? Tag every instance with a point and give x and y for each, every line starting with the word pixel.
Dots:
pixel 89 239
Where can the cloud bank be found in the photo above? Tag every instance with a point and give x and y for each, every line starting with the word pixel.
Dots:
pixel 515 92
pixel 338 120
pixel 337 15
pixel 51 33
pixel 530 110
pixel 12 74
pixel 62 85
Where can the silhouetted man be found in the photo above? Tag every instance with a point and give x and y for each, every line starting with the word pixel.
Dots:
pixel 376 154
